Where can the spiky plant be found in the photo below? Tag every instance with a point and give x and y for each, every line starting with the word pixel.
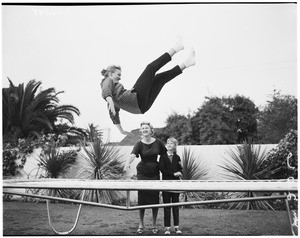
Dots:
pixel 192 169
pixel 100 161
pixel 246 163
pixel 28 111
pixel 56 164
pixel 93 133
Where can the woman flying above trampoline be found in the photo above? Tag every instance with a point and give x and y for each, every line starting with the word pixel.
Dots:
pixel 140 98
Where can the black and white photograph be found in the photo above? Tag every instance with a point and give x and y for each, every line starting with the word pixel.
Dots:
pixel 149 118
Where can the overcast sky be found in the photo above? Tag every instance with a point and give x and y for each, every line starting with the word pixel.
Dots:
pixel 245 49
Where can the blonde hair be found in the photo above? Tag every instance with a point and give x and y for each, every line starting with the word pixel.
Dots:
pixel 174 141
pixel 110 69
pixel 148 124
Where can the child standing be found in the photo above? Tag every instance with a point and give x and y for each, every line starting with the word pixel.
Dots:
pixel 171 169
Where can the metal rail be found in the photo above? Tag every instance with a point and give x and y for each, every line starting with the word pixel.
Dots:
pixel 162 185
pixel 286 186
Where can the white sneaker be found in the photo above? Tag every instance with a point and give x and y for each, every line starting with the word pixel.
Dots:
pixel 167 232
pixel 177 230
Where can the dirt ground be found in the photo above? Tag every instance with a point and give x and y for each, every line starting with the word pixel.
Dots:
pixel 30 219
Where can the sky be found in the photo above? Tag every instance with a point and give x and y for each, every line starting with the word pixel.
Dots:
pixel 245 49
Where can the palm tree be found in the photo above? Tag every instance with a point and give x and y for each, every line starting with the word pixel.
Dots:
pixel 27 112
pixel 73 134
pixel 99 162
pixel 246 163
pixel 192 169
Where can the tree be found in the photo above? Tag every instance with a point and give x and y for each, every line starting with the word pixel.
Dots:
pixel 179 127
pixel 225 120
pixel 244 113
pixel 277 118
pixel 27 112
pixel 211 123
pixel 71 134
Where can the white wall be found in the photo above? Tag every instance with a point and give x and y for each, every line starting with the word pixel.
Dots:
pixel 211 155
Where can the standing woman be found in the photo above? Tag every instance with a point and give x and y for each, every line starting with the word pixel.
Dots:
pixel 140 98
pixel 148 148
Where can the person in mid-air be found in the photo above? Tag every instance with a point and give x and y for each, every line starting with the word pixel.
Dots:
pixel 140 98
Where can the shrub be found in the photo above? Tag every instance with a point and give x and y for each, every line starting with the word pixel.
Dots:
pixel 277 157
pixel 10 155
pixel 24 147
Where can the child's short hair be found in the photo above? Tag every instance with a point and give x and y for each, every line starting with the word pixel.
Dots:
pixel 173 140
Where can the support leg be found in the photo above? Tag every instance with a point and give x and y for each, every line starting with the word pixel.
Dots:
pixel 289 215
pixel 76 220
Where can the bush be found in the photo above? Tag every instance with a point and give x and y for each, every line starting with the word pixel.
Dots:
pixel 277 157
pixel 10 155
pixel 24 147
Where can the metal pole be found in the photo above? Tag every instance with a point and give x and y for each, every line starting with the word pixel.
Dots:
pixel 289 215
pixel 127 198
pixel 76 220
pixel 153 205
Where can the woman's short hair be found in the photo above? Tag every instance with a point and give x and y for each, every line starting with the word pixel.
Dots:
pixel 110 69
pixel 148 124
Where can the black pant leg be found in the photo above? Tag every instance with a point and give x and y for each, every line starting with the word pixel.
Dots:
pixel 167 210
pixel 159 81
pixel 144 82
pixel 175 210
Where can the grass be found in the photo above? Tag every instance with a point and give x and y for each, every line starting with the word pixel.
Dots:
pixel 30 219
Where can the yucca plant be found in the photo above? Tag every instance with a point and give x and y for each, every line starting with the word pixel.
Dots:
pixel 246 163
pixel 192 169
pixel 100 161
pixel 93 133
pixel 56 164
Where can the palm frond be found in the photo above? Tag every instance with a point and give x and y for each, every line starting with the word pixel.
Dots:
pixel 99 162
pixel 193 168
pixel 245 163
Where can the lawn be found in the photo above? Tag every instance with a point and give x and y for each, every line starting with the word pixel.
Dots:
pixel 30 219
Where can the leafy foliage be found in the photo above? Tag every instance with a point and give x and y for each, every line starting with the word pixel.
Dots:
pixel 277 118
pixel 9 166
pixel 14 155
pixel 56 164
pixel 101 161
pixel 179 127
pixel 192 170
pixel 28 112
pixel 246 163
pixel 277 157
pixel 225 121
pixel 73 135
pixel 93 133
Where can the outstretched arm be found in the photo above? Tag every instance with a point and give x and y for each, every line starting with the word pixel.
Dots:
pixel 128 162
pixel 121 130
pixel 114 115
pixel 111 105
